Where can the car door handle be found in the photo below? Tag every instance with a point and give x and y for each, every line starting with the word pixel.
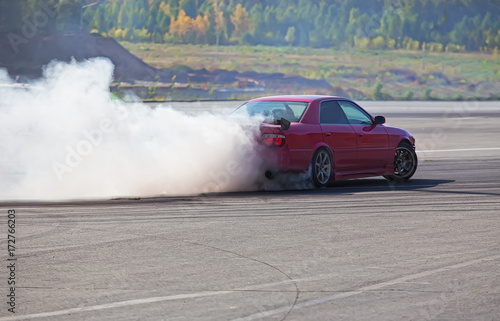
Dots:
pixel 360 134
pixel 328 134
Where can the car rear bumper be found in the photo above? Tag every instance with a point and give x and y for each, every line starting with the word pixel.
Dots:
pixel 281 159
pixel 275 159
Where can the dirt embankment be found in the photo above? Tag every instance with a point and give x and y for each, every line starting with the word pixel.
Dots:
pixel 25 60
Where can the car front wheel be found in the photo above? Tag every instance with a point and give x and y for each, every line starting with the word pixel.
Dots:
pixel 321 167
pixel 405 163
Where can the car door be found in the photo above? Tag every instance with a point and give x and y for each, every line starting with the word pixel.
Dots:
pixel 338 134
pixel 372 139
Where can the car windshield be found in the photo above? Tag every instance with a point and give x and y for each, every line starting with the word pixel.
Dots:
pixel 273 111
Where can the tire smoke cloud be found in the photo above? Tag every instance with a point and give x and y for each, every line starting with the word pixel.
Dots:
pixel 65 138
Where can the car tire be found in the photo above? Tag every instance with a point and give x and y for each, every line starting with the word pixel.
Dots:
pixel 405 163
pixel 321 166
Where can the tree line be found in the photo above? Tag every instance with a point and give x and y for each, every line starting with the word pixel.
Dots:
pixel 434 25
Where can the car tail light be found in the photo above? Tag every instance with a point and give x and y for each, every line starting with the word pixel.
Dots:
pixel 273 139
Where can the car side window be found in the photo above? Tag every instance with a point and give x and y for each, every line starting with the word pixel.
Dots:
pixel 354 114
pixel 297 109
pixel 331 113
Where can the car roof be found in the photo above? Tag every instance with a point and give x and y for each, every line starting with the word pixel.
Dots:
pixel 301 98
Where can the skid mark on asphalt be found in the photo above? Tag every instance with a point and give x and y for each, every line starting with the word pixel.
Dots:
pixel 297 291
pixel 362 290
pixel 260 315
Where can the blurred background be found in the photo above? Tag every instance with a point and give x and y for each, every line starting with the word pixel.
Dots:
pixel 230 49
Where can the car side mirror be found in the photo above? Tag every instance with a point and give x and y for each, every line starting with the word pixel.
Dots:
pixel 285 124
pixel 379 120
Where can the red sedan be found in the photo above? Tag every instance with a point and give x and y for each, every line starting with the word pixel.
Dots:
pixel 332 136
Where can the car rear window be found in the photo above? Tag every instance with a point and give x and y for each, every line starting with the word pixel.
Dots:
pixel 274 110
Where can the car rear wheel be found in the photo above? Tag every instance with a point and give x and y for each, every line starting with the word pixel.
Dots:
pixel 405 163
pixel 321 167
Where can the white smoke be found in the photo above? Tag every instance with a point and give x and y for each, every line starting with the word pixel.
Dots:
pixel 64 138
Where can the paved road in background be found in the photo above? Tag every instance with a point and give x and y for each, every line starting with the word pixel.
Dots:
pixel 358 250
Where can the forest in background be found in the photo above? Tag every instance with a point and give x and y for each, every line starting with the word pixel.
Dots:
pixel 429 25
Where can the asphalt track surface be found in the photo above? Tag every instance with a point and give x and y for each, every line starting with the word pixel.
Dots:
pixel 428 249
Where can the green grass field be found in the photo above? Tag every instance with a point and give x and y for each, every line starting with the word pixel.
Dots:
pixel 365 74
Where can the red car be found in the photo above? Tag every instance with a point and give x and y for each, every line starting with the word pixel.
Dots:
pixel 332 136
